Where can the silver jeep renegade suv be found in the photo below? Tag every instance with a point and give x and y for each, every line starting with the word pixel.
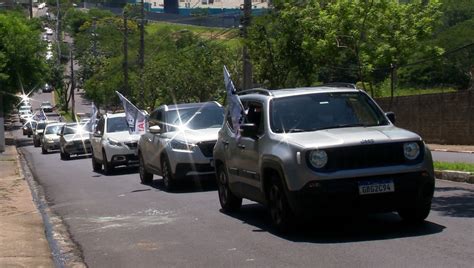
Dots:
pixel 321 150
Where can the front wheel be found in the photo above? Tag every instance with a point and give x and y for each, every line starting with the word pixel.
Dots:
pixel 96 166
pixel 229 202
pixel 167 174
pixel 416 214
pixel 36 142
pixel 44 150
pixel 145 176
pixel 280 212
pixel 108 167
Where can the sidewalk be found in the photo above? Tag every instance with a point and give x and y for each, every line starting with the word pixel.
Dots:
pixel 22 238
pixel 452 148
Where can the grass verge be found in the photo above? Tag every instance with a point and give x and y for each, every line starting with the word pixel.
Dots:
pixel 466 167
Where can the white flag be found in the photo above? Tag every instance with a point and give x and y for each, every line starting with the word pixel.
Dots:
pixel 234 105
pixel 92 122
pixel 40 116
pixel 136 119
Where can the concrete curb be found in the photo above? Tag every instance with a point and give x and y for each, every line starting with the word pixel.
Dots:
pixel 451 151
pixel 457 176
pixel 65 252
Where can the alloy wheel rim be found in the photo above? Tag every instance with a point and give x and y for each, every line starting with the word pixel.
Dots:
pixel 275 204
pixel 222 188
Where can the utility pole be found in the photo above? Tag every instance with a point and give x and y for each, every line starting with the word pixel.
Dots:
pixel 125 54
pixel 73 83
pixel 247 65
pixel 31 9
pixel 94 36
pixel 141 60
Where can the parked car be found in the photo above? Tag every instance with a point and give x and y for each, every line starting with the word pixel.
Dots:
pixel 179 142
pixel 112 143
pixel 322 150
pixel 38 132
pixel 50 139
pixel 46 106
pixel 49 31
pixel 29 127
pixel 74 140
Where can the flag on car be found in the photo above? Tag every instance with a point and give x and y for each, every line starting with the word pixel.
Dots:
pixel 234 105
pixel 136 119
pixel 92 122
pixel 40 115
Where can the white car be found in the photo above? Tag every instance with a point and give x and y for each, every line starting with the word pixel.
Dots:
pixel 112 143
pixel 178 145
pixel 25 116
pixel 49 31
pixel 50 139
pixel 49 55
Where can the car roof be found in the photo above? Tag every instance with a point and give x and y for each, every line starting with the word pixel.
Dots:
pixel 55 124
pixel 115 115
pixel 173 107
pixel 285 92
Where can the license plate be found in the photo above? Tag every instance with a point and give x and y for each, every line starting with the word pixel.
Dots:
pixel 375 187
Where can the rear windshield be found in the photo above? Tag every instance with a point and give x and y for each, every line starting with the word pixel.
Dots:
pixel 52 129
pixel 41 126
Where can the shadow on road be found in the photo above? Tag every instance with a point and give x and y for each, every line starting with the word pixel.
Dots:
pixel 77 157
pixel 117 171
pixel 23 142
pixel 454 201
pixel 190 185
pixel 347 229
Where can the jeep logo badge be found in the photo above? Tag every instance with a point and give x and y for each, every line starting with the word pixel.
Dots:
pixel 368 141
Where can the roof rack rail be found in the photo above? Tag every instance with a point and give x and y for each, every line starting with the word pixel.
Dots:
pixel 261 91
pixel 339 84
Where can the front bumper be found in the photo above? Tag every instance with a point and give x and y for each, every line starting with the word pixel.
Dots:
pixel 190 163
pixel 341 196
pixel 48 145
pixel 121 155
pixel 78 147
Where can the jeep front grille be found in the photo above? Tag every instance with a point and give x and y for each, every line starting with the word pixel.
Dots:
pixel 366 156
pixel 207 148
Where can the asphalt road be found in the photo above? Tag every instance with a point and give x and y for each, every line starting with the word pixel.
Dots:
pixel 118 222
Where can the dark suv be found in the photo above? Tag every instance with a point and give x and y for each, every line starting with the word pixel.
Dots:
pixel 321 150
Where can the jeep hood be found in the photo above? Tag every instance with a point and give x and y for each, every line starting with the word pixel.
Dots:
pixel 195 136
pixel 123 136
pixel 77 137
pixel 349 136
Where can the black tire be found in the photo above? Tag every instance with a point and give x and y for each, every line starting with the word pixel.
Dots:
pixel 416 214
pixel 43 150
pixel 36 142
pixel 64 156
pixel 281 215
pixel 167 175
pixel 145 176
pixel 229 202
pixel 96 166
pixel 108 167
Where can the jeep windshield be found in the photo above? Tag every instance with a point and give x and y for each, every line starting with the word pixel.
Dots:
pixel 195 118
pixel 320 111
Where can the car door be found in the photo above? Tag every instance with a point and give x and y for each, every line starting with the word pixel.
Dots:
pixel 96 139
pixel 151 145
pixel 247 148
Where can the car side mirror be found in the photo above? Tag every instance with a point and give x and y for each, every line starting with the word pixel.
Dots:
pixel 155 130
pixel 248 130
pixel 391 116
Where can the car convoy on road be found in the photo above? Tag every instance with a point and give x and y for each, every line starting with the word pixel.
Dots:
pixel 325 150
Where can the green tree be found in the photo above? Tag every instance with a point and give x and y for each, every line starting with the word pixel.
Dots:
pixel 22 62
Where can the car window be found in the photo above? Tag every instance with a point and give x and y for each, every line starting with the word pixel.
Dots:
pixel 117 124
pixel 70 130
pixel 324 111
pixel 254 115
pixel 195 118
pixel 41 126
pixel 52 129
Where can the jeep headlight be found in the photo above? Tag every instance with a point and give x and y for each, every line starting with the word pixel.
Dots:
pixel 318 158
pixel 181 145
pixel 113 142
pixel 411 150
